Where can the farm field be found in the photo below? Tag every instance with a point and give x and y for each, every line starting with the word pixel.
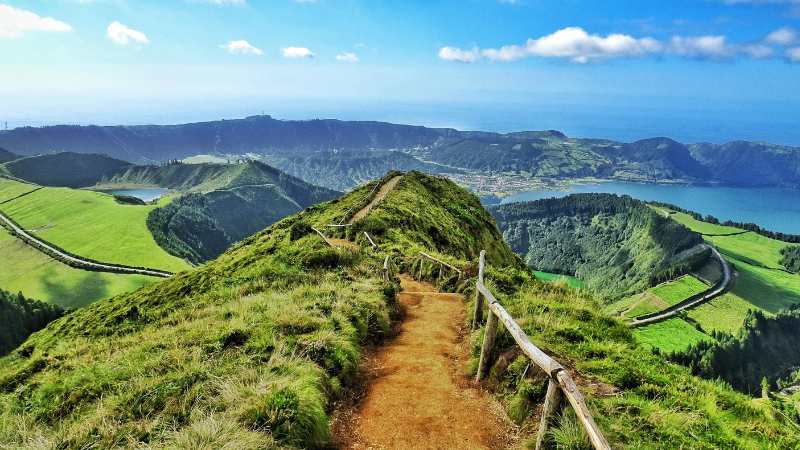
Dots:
pixel 38 276
pixel 10 189
pixel 759 284
pixel 555 277
pixel 670 335
pixel 90 224
pixel 658 297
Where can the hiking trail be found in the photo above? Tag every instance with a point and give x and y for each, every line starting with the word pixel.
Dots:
pixel 418 393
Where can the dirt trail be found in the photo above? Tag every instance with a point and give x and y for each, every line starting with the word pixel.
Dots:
pixel 418 395
pixel 385 189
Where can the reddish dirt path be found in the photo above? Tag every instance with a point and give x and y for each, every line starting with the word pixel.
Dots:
pixel 418 395
pixel 385 189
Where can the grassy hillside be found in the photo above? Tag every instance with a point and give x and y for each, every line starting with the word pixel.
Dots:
pixel 638 399
pixel 762 283
pixel 252 349
pixel 89 224
pixel 38 276
pixel 616 245
pixel 249 350
pixel 64 169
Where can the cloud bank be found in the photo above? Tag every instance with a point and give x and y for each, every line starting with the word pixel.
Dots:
pixel 297 53
pixel 15 22
pixel 578 46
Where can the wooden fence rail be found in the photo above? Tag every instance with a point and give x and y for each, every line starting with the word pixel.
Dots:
pixel 441 263
pixel 560 383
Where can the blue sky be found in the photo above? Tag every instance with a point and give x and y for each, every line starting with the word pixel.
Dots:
pixel 437 62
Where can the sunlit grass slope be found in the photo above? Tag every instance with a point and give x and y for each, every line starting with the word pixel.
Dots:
pixel 251 350
pixel 38 276
pixel 90 224
pixel 761 284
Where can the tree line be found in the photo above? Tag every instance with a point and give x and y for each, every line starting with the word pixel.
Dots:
pixel 765 348
pixel 20 317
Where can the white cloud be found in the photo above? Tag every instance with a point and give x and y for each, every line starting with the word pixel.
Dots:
pixel 457 54
pixel 793 54
pixel 577 45
pixel 297 53
pixel 242 47
pixel 782 36
pixel 347 57
pixel 758 51
pixel 123 35
pixel 703 47
pixel 16 22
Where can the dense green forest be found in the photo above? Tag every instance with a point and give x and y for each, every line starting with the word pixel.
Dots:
pixel 20 317
pixel 766 347
pixel 790 258
pixel 617 245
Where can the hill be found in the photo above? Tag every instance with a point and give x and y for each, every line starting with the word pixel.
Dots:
pixel 252 349
pixel 255 134
pixel 65 169
pixel 237 201
pixel 6 156
pixel 341 154
pixel 617 246
pixel 21 317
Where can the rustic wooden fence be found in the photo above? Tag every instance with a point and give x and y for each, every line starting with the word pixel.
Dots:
pixel 560 383
pixel 442 266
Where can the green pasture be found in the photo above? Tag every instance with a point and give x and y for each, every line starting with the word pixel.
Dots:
pixel 670 335
pixel 90 224
pixel 38 276
pixel 555 277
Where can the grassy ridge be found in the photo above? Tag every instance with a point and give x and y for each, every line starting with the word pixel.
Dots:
pixel 92 225
pixel 251 350
pixel 38 276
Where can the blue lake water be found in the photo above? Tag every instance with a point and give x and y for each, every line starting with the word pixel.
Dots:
pixel 771 208
pixel 145 194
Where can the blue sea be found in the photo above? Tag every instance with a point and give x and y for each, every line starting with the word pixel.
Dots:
pixel 771 208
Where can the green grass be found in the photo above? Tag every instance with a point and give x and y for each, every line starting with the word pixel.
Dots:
pixel 10 189
pixel 700 226
pixel 670 335
pixel 760 284
pixel 658 297
pixel 680 289
pixel 92 225
pixel 725 313
pixel 555 278
pixel 637 398
pixel 40 277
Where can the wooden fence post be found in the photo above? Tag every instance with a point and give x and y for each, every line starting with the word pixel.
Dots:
pixel 386 269
pixel 488 343
pixel 552 403
pixel 476 315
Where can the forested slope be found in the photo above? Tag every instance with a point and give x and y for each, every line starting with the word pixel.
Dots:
pixel 236 201
pixel 616 245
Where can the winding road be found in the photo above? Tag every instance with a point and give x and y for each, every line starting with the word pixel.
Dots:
pixel 73 260
pixel 720 288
